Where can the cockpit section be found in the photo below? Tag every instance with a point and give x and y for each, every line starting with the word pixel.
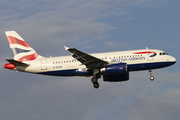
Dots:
pixel 163 53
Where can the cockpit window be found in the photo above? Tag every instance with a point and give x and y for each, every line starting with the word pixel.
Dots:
pixel 163 53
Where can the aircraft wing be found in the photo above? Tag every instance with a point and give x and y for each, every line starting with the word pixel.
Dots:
pixel 88 60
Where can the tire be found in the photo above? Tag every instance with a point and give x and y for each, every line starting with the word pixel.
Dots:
pixel 152 78
pixel 96 85
pixel 94 80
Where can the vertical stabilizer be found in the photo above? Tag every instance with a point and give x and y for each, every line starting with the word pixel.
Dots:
pixel 21 50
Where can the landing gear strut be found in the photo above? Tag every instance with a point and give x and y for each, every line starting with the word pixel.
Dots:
pixel 94 79
pixel 151 77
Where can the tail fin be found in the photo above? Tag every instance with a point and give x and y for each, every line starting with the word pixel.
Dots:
pixel 21 50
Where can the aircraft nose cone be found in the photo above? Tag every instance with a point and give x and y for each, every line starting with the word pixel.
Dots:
pixel 173 59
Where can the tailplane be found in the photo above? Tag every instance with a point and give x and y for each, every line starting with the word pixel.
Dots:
pixel 21 50
pixel 13 64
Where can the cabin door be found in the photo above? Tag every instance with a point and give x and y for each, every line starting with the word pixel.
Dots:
pixel 44 64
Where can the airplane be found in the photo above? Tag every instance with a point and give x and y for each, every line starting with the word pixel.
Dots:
pixel 113 66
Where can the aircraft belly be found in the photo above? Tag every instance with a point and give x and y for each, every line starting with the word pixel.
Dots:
pixel 69 72
pixel 147 66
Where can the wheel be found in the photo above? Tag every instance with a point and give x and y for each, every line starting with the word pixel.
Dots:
pixel 94 80
pixel 96 85
pixel 152 78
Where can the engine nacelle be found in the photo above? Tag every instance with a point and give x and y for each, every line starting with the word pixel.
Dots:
pixel 117 68
pixel 116 78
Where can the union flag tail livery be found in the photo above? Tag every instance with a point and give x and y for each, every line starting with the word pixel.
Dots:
pixel 112 66
pixel 21 50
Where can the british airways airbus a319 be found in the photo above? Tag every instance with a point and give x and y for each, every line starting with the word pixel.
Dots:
pixel 113 66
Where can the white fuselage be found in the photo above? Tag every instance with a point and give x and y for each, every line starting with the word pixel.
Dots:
pixel 135 59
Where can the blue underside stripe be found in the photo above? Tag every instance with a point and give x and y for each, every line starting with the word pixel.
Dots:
pixel 132 67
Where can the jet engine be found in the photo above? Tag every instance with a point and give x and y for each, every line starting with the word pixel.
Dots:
pixel 112 69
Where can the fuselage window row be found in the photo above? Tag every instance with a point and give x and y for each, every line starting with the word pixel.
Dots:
pixel 106 58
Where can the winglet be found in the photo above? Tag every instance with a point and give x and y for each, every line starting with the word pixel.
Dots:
pixel 66 48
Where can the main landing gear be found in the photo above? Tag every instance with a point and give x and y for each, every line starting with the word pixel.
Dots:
pixel 94 80
pixel 151 77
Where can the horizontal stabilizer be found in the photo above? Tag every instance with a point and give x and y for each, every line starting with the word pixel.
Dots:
pixel 17 63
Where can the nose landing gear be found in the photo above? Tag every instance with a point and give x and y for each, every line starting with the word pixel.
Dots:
pixel 151 77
